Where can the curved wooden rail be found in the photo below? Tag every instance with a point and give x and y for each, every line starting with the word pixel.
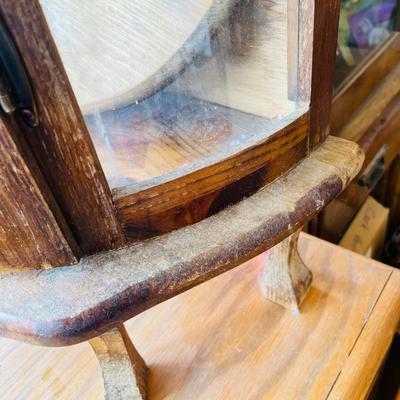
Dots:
pixel 67 305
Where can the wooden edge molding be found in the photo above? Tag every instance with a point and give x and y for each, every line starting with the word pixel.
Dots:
pixel 179 191
pixel 68 305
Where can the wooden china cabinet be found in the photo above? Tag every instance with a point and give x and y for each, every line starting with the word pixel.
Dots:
pixel 148 146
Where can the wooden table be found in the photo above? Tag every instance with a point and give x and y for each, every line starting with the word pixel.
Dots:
pixel 222 340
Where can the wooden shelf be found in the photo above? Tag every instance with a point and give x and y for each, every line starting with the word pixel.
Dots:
pixel 222 340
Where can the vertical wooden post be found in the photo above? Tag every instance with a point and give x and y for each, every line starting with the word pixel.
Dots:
pixel 124 371
pixel 286 279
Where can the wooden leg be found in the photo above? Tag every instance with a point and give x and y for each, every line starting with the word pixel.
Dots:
pixel 124 371
pixel 285 278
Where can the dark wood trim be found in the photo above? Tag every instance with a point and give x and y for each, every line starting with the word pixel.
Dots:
pixel 61 144
pixel 30 235
pixel 177 193
pixel 106 289
pixel 326 24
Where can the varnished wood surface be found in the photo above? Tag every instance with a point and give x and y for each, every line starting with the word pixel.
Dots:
pixel 72 304
pixel 134 201
pixel 61 143
pixel 30 236
pixel 223 341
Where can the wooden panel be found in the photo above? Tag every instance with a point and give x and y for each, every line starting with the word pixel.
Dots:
pixel 61 143
pixel 222 340
pixel 111 287
pixel 326 24
pixel 30 236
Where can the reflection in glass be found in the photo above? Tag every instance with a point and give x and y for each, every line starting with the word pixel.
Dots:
pixel 364 25
pixel 167 87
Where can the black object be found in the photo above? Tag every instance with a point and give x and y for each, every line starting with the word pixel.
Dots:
pixel 392 250
pixel 15 90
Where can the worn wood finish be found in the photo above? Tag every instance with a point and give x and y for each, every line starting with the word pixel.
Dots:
pixel 286 279
pixel 221 340
pixel 123 369
pixel 30 236
pixel 326 24
pixel 205 206
pixel 353 92
pixel 61 143
pixel 106 289
pixel 133 204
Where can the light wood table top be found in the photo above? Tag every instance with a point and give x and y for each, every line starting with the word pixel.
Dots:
pixel 222 340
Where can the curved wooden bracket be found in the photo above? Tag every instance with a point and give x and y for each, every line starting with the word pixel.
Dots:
pixel 286 279
pixel 124 371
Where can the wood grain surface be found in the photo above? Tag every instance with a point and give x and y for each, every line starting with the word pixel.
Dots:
pixel 61 143
pixel 285 279
pixel 221 340
pixel 116 53
pixel 30 235
pixel 212 173
pixel 123 369
pixel 76 303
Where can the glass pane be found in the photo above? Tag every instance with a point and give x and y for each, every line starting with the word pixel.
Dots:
pixel 167 87
pixel 364 25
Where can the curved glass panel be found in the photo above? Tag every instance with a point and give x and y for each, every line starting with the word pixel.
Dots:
pixel 167 87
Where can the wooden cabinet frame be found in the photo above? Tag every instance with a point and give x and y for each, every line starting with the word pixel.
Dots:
pixel 64 152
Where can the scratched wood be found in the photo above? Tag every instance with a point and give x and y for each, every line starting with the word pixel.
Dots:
pixel 30 234
pixel 221 340
pixel 105 289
